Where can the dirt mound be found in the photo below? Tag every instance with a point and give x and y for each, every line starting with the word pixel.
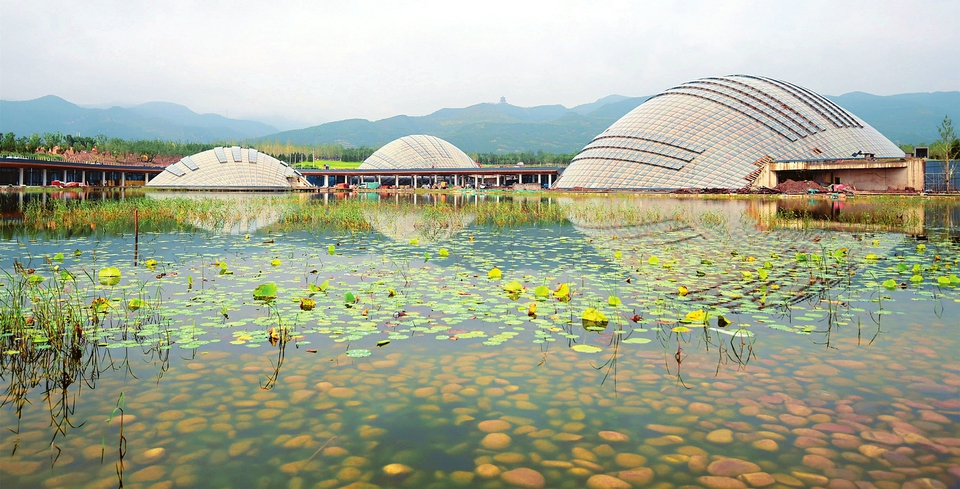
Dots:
pixel 116 159
pixel 795 187
pixel 757 191
pixel 702 191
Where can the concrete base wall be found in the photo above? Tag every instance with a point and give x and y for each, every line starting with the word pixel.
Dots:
pixel 861 174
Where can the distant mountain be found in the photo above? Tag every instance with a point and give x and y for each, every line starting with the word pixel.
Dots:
pixel 152 120
pixel 587 108
pixel 910 118
pixel 907 118
pixel 481 128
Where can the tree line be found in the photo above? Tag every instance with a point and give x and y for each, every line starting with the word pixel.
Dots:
pixel 57 143
pixel 527 157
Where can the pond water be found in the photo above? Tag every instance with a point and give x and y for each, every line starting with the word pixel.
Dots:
pixel 165 340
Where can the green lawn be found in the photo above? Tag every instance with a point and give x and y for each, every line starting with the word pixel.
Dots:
pixel 335 165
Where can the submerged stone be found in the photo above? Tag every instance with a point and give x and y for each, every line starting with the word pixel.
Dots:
pixel 664 441
pixel 810 479
pixel 732 467
pixel 524 477
pixel 149 474
pixel 721 436
pixel 818 462
pixel 638 477
pixel 462 477
pixel 495 441
pixel 487 471
pixel 719 482
pixel 397 470
pixel 757 479
pixel 602 481
pixel 766 444
pixel 341 392
pixel 20 468
pixel 151 455
pixel 583 454
pixel 629 460
pixel 613 437
pixel 493 426
pixel 882 437
pixel 668 430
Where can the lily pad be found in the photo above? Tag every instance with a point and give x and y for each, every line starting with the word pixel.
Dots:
pixel 135 304
pixel 265 291
pixel 541 291
pixel 109 276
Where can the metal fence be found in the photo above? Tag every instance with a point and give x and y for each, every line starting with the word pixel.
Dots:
pixel 934 179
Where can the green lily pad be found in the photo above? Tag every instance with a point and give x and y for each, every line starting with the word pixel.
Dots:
pixel 359 353
pixel 109 276
pixel 265 291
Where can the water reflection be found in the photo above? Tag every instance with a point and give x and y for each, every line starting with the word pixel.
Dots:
pixel 402 224
pixel 236 217
pixel 755 362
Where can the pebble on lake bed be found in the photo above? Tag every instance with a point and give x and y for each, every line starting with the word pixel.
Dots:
pixel 720 482
pixel 495 441
pixel 732 467
pixel 721 436
pixel 487 471
pixel 493 426
pixel 397 470
pixel 602 481
pixel 524 477
pixel 613 437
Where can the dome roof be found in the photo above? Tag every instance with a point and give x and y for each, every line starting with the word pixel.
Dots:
pixel 418 151
pixel 716 133
pixel 234 168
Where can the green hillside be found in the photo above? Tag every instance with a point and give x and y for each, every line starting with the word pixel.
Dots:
pixel 910 118
pixel 907 118
pixel 481 128
pixel 153 120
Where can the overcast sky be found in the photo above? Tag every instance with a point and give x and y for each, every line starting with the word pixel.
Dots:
pixel 334 60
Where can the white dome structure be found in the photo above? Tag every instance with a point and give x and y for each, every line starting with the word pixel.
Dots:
pixel 229 168
pixel 719 133
pixel 416 152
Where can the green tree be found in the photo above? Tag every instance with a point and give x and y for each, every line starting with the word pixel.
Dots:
pixel 52 140
pixel 33 142
pixel 9 142
pixel 946 149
